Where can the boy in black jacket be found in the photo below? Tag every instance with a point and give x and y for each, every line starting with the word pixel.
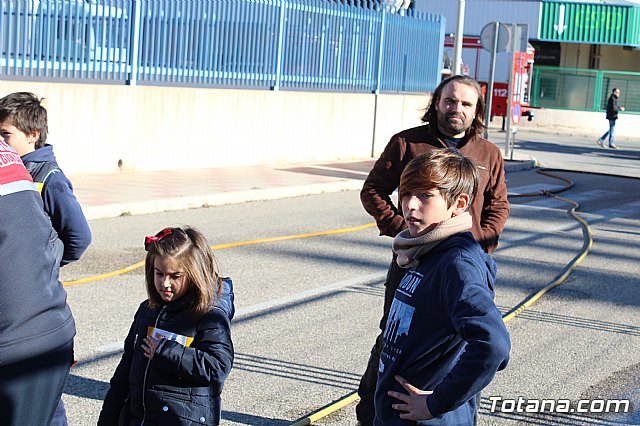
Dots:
pixel 445 338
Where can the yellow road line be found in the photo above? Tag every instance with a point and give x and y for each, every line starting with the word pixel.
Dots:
pixel 104 276
pixel 343 402
pixel 226 246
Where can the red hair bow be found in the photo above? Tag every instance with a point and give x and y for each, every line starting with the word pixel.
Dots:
pixel 160 235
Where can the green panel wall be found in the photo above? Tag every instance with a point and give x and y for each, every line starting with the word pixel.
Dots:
pixel 590 23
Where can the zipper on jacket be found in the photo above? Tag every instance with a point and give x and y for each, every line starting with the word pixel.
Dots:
pixel 146 370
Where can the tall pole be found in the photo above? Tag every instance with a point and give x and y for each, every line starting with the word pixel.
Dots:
pixel 135 43
pixel 489 95
pixel 508 143
pixel 508 148
pixel 283 12
pixel 457 56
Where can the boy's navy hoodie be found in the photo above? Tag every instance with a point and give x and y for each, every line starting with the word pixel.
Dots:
pixel 59 203
pixel 34 315
pixel 444 334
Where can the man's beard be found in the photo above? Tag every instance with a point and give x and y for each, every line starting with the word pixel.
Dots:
pixel 453 127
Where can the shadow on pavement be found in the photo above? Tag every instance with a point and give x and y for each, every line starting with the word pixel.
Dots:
pixel 551 147
pixel 248 419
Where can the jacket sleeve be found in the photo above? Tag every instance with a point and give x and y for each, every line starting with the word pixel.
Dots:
pixel 383 179
pixel 495 210
pixel 616 107
pixel 612 105
pixel 66 217
pixel 209 361
pixel 119 384
pixel 468 302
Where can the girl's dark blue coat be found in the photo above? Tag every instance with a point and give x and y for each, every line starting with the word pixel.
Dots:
pixel 181 385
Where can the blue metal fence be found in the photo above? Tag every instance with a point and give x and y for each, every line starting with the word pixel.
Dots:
pixel 276 44
pixel 65 39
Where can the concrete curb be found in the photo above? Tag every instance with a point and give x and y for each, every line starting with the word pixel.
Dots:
pixel 511 166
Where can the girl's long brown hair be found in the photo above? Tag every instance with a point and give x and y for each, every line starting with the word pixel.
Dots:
pixel 190 249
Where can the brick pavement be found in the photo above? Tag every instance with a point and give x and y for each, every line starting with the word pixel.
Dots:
pixel 125 193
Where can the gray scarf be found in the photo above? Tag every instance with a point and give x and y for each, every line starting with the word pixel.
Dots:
pixel 410 249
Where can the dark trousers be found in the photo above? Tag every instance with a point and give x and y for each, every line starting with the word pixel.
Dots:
pixel 365 411
pixel 30 390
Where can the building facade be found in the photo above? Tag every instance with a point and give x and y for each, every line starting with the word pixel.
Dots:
pixel 583 48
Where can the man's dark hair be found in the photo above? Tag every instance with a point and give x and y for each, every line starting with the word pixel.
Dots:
pixel 615 89
pixel 431 115
pixel 24 111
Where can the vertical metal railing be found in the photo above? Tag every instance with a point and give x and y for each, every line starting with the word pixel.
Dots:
pixel 583 89
pixel 67 40
pixel 358 46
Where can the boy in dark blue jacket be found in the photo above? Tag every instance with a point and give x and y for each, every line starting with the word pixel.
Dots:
pixel 445 338
pixel 23 124
pixel 36 324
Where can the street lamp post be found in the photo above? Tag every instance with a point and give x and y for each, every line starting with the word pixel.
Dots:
pixel 457 56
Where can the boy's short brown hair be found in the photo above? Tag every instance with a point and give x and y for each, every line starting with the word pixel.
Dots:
pixel 24 111
pixel 446 170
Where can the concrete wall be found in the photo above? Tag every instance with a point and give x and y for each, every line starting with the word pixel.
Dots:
pixel 574 55
pixel 478 13
pixel 587 124
pixel 617 58
pixel 96 127
pixel 612 58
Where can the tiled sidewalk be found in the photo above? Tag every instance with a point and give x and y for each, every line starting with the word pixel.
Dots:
pixel 112 195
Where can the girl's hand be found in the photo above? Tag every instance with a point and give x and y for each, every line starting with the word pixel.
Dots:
pixel 415 404
pixel 149 346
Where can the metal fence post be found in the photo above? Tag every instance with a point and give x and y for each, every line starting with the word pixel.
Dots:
pixel 381 52
pixel 135 44
pixel 283 9
pixel 597 92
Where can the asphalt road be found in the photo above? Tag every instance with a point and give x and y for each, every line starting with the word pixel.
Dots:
pixel 308 307
pixel 558 149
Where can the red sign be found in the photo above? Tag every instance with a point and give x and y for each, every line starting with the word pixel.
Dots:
pixel 499 99
pixel 467 42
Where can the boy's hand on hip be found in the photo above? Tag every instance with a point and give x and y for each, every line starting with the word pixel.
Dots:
pixel 415 403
